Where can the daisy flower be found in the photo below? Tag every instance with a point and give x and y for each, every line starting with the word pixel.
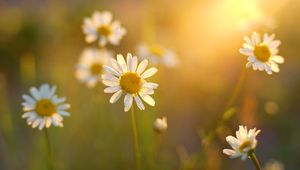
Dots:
pixel 244 143
pixel 160 124
pixel 262 54
pixel 44 108
pixel 101 28
pixel 129 77
pixel 157 54
pixel 90 65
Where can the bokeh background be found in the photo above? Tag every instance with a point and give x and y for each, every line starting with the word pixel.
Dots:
pixel 40 42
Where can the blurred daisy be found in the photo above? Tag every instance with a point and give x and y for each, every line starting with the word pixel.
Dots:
pixel 129 78
pixel 157 54
pixel 90 66
pixel 44 108
pixel 274 165
pixel 244 143
pixel 101 28
pixel 262 54
pixel 160 125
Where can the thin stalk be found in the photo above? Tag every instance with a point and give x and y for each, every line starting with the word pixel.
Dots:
pixel 231 100
pixel 50 162
pixel 255 161
pixel 135 140
pixel 212 134
pixel 237 89
pixel 155 150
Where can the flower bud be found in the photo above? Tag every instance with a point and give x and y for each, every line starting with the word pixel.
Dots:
pixel 160 125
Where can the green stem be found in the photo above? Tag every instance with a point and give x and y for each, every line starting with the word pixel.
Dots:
pixel 50 162
pixel 135 140
pixel 231 100
pixel 255 161
pixel 212 134
pixel 237 89
pixel 155 149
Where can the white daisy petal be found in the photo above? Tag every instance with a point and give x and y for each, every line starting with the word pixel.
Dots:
pixel 51 92
pixel 122 63
pixel 274 44
pixel 148 73
pixel 91 82
pixel 102 41
pixel 28 114
pixel 151 85
pixel 142 66
pixel 134 64
pixel 44 90
pixel 110 83
pixel 27 107
pixel 246 51
pixel 139 102
pixel 57 100
pixel 28 99
pixel 64 113
pixel 115 97
pixel 277 59
pixel 36 123
pixel 111 70
pixel 48 122
pixel 148 99
pixel 274 67
pixel 112 89
pixel 64 107
pixel 228 152
pixel 110 77
pixel 91 38
pixel 42 124
pixel 248 65
pixel 106 17
pixel 128 59
pixel 116 66
pixel 35 93
pixel 127 102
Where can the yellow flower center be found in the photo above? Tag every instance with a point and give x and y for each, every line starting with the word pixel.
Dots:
pixel 45 107
pixel 96 69
pixel 245 145
pixel 157 50
pixel 104 30
pixel 131 82
pixel 262 52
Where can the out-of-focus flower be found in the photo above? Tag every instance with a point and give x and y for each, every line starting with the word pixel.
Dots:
pixel 271 107
pixel 262 54
pixel 90 65
pixel 129 77
pixel 157 54
pixel 160 124
pixel 101 28
pixel 273 165
pixel 44 108
pixel 244 143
